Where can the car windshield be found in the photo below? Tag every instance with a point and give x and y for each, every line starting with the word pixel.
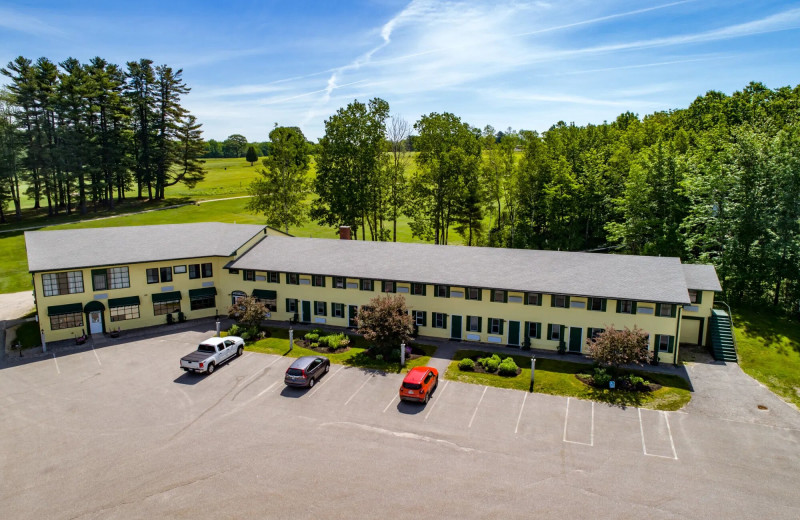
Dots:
pixel 294 372
pixel 412 386
pixel 206 348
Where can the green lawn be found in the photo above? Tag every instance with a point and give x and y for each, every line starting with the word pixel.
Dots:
pixel 278 344
pixel 769 350
pixel 557 377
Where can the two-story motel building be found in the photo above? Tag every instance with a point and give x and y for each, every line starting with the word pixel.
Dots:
pixel 104 279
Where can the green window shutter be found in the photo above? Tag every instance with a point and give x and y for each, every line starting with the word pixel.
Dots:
pixel 525 298
pixel 674 311
pixel 619 305
pixel 527 328
pixel 501 326
pixel 467 322
pixel 505 296
pixel 444 321
pixel 448 291
pixel 324 308
pixel 480 320
pixel 538 331
pixel 424 289
pixel 424 319
pixel 699 297
pixel 480 294
pixel 561 335
pixel 383 286
pixel 603 303
pixel 671 344
pixel 552 300
pixel 658 309
pixel 287 279
pixel 633 308
pixel 549 330
pixel 539 299
pixel 288 304
pixel 566 302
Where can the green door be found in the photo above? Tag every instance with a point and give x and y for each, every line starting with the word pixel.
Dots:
pixel 455 327
pixel 575 337
pixel 306 317
pixel 513 333
pixel 352 312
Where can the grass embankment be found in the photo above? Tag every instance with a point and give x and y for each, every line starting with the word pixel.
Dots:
pixel 769 350
pixel 278 344
pixel 558 377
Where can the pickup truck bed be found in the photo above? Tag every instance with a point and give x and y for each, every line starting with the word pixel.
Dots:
pixel 196 357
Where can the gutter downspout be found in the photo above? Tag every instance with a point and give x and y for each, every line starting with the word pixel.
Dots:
pixel 677 336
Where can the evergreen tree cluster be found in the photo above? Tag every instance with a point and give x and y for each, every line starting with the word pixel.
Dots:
pixel 74 134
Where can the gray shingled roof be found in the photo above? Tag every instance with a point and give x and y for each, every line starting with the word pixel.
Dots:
pixel 702 277
pixel 644 278
pixel 74 248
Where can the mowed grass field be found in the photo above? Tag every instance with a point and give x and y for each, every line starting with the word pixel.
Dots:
pixel 226 178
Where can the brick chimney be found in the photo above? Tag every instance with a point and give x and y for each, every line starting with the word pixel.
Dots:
pixel 344 232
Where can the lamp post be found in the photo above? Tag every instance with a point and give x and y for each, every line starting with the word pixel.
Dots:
pixel 291 339
pixel 402 354
pixel 533 370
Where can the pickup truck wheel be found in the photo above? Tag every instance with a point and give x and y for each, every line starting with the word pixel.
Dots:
pixel 210 369
pixel 240 351
pixel 311 383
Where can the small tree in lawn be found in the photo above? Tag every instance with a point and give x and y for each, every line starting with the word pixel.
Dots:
pixel 248 311
pixel 386 322
pixel 614 348
pixel 251 156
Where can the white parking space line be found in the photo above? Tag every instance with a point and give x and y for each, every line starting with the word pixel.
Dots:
pixel 390 403
pixel 438 397
pixel 485 388
pixel 95 355
pixel 54 359
pixel 669 431
pixel 641 430
pixel 327 378
pixel 267 389
pixel 358 390
pixel 591 434
pixel 520 412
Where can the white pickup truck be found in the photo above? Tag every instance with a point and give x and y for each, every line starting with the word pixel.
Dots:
pixel 212 353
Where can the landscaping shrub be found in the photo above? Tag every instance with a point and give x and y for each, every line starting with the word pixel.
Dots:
pixel 334 341
pixel 245 336
pixel 379 357
pixel 601 377
pixel 394 355
pixel 314 345
pixel 254 332
pixel 235 330
pixel 311 336
pixel 466 364
pixel 490 364
pixel 507 367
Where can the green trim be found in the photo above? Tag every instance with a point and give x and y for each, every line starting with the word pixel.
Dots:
pixel 264 294
pixel 123 302
pixel 94 305
pixel 69 308
pixel 166 296
pixel 205 292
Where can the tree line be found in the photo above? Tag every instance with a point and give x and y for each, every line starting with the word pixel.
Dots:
pixel 717 182
pixel 76 133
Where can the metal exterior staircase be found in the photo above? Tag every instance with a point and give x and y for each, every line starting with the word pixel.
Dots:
pixel 723 343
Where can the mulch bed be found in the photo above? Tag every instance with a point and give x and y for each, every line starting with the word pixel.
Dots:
pixel 622 384
pixel 322 350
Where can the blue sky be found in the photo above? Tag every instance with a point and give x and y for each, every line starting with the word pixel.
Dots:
pixel 518 64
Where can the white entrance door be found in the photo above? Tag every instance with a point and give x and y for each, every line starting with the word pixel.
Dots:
pixel 95 322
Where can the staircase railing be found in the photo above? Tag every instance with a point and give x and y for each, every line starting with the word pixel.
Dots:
pixel 733 329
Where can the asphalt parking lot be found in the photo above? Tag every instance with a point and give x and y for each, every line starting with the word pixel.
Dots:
pixel 122 432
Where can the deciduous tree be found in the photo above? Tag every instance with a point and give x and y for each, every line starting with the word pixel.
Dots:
pixel 283 186
pixel 614 348
pixel 386 322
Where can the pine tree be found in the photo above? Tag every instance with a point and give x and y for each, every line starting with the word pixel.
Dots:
pixel 251 155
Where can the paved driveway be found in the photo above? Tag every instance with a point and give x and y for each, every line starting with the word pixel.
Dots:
pixel 121 432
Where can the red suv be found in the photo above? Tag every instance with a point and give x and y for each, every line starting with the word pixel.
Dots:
pixel 419 384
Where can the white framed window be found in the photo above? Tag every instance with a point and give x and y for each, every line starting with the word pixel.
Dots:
pixel 439 320
pixel 495 325
pixel 337 310
pixel 555 332
pixel 69 282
